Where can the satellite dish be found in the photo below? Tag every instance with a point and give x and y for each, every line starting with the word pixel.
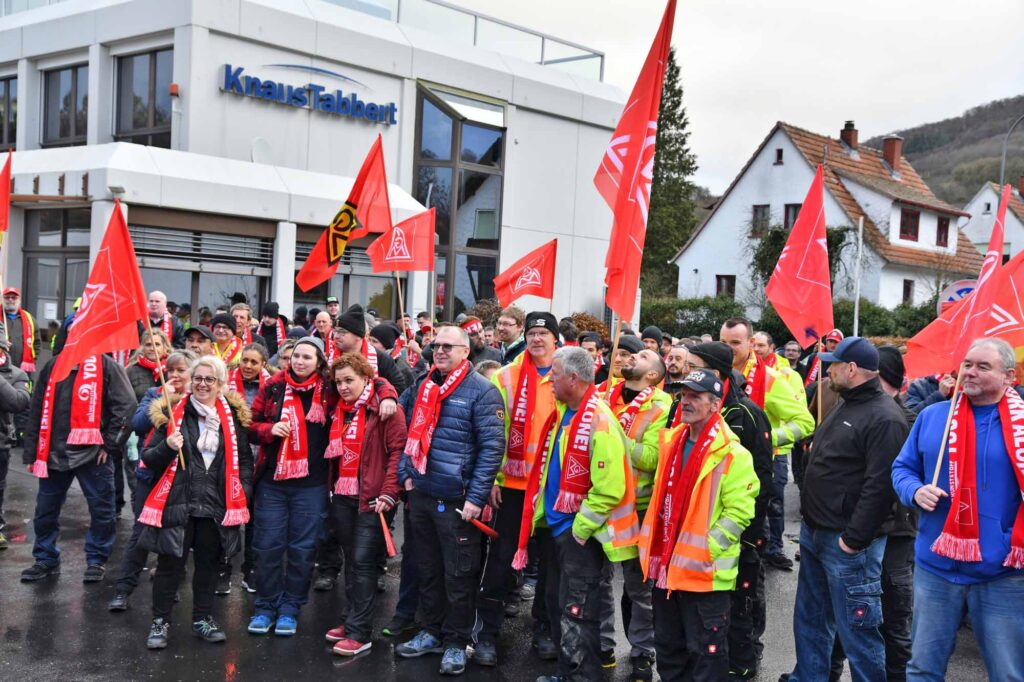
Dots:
pixel 261 152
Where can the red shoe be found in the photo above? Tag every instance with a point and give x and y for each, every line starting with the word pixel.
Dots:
pixel 350 647
pixel 336 634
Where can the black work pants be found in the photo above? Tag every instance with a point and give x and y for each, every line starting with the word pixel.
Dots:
pixel 362 541
pixel 573 591
pixel 748 612
pixel 498 578
pixel 691 635
pixel 202 536
pixel 135 557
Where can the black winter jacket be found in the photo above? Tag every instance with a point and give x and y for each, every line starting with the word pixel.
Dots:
pixel 14 398
pixel 141 380
pixel 389 369
pixel 751 426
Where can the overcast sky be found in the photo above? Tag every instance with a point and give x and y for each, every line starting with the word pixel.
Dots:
pixel 886 64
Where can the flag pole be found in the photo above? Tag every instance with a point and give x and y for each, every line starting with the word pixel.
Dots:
pixel 821 378
pixel 856 277
pixel 167 396
pixel 401 304
pixel 611 356
pixel 3 274
pixel 949 422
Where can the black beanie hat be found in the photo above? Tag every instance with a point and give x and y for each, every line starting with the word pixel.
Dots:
pixel 270 309
pixel 385 333
pixel 226 320
pixel 353 320
pixel 544 320
pixel 652 332
pixel 716 354
pixel 890 365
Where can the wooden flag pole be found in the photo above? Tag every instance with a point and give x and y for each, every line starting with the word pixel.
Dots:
pixel 167 397
pixel 949 422
pixel 611 356
pixel 401 304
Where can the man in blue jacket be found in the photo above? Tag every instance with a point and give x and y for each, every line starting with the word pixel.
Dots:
pixel 455 446
pixel 972 559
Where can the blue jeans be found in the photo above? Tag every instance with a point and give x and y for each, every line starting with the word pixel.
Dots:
pixel 838 594
pixel 97 484
pixel 777 505
pixel 287 526
pixel 995 609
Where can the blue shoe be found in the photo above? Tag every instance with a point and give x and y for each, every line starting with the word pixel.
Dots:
pixel 259 624
pixel 285 626
pixel 422 643
pixel 453 662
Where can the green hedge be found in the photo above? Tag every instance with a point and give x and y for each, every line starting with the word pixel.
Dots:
pixel 689 317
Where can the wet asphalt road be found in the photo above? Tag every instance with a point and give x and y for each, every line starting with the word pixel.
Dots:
pixel 59 628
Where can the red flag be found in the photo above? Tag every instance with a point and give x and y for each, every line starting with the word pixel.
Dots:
pixel 5 195
pixel 533 274
pixel 113 303
pixel 624 177
pixel 941 346
pixel 800 287
pixel 367 208
pixel 407 247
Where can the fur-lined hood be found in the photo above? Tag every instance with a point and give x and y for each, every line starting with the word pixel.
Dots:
pixel 159 416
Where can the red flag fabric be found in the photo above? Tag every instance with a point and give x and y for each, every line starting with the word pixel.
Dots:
pixel 533 274
pixel 800 287
pixel 113 303
pixel 942 345
pixel 5 195
pixel 367 208
pixel 627 169
pixel 407 247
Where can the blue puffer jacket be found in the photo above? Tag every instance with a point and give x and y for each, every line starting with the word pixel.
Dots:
pixel 468 443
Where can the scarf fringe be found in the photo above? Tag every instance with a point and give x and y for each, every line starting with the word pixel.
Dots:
pixel 151 516
pixel 85 437
pixel 520 560
pixel 291 469
pixel 662 581
pixel 39 469
pixel 1015 559
pixel 654 567
pixel 346 485
pixel 958 549
pixel 28 367
pixel 568 503
pixel 333 450
pixel 516 468
pixel 236 517
pixel 316 412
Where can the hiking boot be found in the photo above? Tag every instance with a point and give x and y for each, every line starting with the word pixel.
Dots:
pixel 486 653
pixel 422 643
pixel 778 561
pixel 336 634
pixel 545 646
pixel 208 629
pixel 223 584
pixel 453 662
pixel 608 658
pixel 119 602
pixel 350 647
pixel 642 669
pixel 398 625
pixel 325 582
pixel 158 634
pixel 38 571
pixel 94 573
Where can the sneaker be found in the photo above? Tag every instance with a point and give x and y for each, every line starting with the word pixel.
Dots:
pixel 545 646
pixel 119 602
pixel 512 609
pixel 223 584
pixel 286 626
pixel 778 561
pixel 208 629
pixel 350 647
pixel 486 653
pixel 38 571
pixel 158 634
pixel 608 658
pixel 260 624
pixel 422 643
pixel 249 582
pixel 93 573
pixel 744 674
pixel 453 662
pixel 528 591
pixel 336 634
pixel 325 582
pixel 642 669
pixel 398 625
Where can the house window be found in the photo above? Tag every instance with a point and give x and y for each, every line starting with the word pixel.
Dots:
pixel 759 220
pixel 144 99
pixel 909 222
pixel 8 112
pixel 792 211
pixel 908 291
pixel 66 106
pixel 778 157
pixel 725 285
pixel 988 207
pixel 942 232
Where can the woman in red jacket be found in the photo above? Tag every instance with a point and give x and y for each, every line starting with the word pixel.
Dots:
pixel 367 449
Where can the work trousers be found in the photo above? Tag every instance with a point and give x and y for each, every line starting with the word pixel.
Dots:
pixel 691 635
pixel 203 537
pixel 573 592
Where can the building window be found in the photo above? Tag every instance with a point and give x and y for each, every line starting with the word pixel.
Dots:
pixel 942 232
pixel 760 219
pixel 725 285
pixel 66 106
pixel 778 157
pixel 460 160
pixel 988 207
pixel 792 211
pixel 908 292
pixel 8 112
pixel 909 222
pixel 144 99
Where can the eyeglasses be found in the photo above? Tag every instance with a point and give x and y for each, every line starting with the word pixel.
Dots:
pixel 204 380
pixel 447 347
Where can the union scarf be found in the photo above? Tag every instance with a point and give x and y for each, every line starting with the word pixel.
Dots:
pixel 86 410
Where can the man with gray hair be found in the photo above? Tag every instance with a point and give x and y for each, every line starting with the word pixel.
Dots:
pixel 846 499
pixel 969 552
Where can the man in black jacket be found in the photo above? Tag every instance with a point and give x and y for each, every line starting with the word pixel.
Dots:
pixel 846 499
pixel 350 337
pixel 14 400
pixel 751 425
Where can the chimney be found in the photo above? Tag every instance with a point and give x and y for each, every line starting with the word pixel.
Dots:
pixel 892 150
pixel 849 135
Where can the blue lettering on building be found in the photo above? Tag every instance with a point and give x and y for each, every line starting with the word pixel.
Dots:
pixel 314 97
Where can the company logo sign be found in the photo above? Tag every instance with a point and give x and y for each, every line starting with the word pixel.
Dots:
pixel 309 96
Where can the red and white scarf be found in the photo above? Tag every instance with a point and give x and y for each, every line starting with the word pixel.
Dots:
pixel 959 539
pixel 157 368
pixel 281 332
pixel 524 402
pixel 166 325
pixel 28 335
pixel 812 373
pixel 347 441
pixel 86 410
pixel 772 360
pixel 293 458
pixel 236 509
pixel 370 353
pixel 628 415
pixel 574 483
pixel 599 362
pixel 232 353
pixel 236 382
pixel 677 491
pixel 427 411
pixel 757 381
pixel 330 350
pixel 247 334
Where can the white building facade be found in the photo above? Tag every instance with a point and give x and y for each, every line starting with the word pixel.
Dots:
pixel 983 208
pixel 231 131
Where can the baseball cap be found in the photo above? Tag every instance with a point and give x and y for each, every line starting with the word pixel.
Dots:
pixel 703 381
pixel 12 290
pixel 331 299
pixel 834 335
pixel 201 329
pixel 854 349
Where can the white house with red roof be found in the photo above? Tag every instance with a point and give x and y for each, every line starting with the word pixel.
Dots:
pixel 983 208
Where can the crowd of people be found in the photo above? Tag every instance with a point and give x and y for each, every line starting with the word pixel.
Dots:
pixel 532 462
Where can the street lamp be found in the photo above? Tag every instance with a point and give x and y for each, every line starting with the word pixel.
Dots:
pixel 1002 163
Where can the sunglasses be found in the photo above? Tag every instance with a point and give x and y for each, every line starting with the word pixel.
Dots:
pixel 447 347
